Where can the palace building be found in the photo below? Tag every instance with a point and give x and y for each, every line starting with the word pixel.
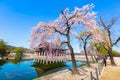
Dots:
pixel 47 53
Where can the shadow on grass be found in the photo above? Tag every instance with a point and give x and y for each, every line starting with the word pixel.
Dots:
pixel 44 69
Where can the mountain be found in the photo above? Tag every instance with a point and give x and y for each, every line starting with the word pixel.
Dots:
pixel 11 48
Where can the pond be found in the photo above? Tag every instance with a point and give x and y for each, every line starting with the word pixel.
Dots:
pixel 23 71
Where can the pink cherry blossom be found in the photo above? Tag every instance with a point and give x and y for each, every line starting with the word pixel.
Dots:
pixel 54 30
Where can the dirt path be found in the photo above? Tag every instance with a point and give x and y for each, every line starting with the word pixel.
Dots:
pixel 111 72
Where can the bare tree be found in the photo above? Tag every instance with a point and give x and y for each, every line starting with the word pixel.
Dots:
pixel 109 43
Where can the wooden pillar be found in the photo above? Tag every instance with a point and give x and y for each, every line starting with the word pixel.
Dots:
pixel 96 73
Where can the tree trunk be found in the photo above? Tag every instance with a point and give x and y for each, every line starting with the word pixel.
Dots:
pixel 111 57
pixel 86 55
pixel 93 57
pixel 75 71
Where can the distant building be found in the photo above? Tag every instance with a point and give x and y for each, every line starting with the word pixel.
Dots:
pixel 47 53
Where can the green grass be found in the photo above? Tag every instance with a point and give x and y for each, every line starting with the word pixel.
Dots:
pixel 43 69
pixel 49 66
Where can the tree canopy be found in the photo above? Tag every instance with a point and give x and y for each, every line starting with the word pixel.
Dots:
pixel 53 31
pixel 18 50
pixel 99 47
pixel 3 48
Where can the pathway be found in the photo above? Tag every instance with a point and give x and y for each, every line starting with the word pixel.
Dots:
pixel 111 72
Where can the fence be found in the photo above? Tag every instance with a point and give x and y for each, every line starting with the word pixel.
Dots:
pixel 98 70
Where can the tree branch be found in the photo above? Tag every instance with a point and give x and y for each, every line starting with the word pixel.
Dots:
pixel 64 15
pixel 82 40
pixel 116 41
pixel 59 31
pixel 64 42
pixel 112 22
pixel 67 19
pixel 102 22
pixel 87 37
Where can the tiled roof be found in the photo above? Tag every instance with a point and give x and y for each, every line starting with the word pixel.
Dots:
pixel 43 44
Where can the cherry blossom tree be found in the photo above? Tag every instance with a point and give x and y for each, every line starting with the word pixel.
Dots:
pixel 53 31
pixel 84 37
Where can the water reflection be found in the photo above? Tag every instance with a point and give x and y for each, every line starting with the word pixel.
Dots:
pixel 19 69
pixel 2 62
pixel 43 68
pixel 15 61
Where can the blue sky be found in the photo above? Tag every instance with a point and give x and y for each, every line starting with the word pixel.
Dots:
pixel 17 17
